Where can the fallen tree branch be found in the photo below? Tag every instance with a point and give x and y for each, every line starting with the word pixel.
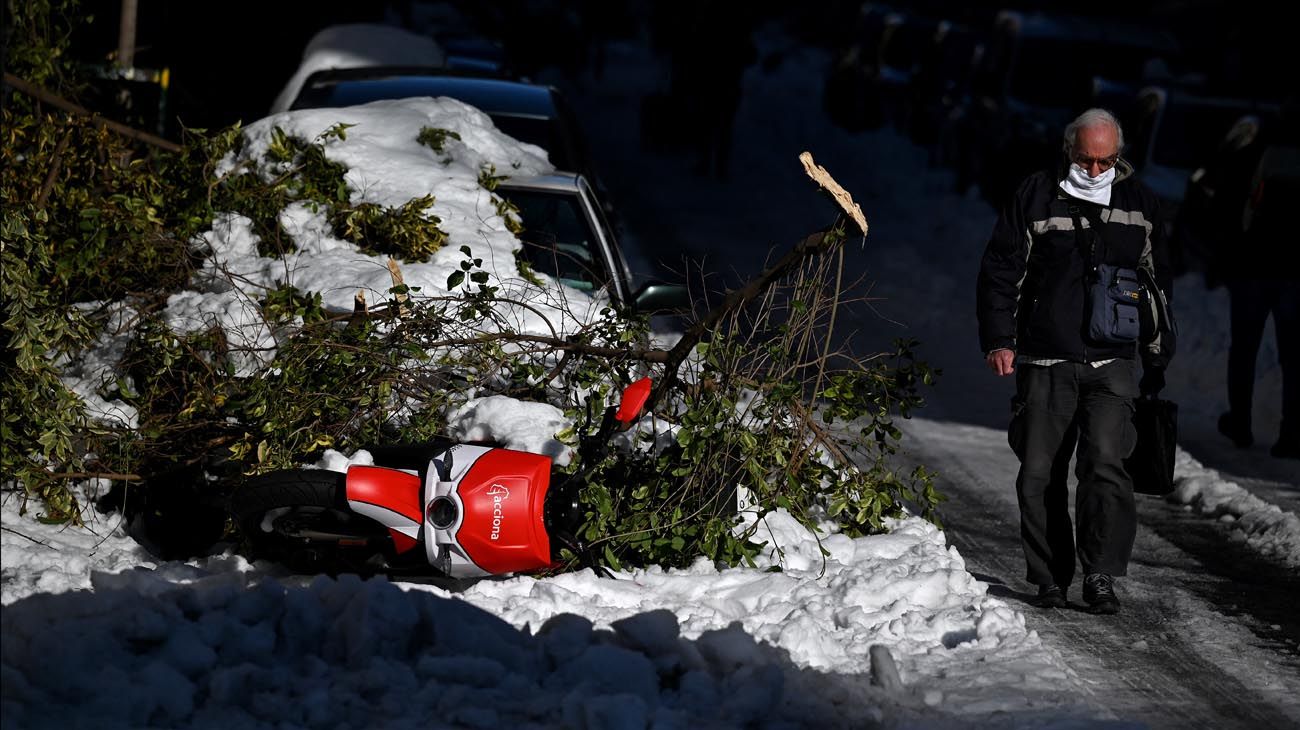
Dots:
pixel 649 355
pixel 55 100
pixel 96 475
pixel 812 245
pixel 55 166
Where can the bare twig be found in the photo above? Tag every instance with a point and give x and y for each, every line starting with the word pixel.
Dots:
pixel 42 543
pixel 96 475
pixel 55 166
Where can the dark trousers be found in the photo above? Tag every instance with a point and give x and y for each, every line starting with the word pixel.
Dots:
pixel 1251 304
pixel 1053 406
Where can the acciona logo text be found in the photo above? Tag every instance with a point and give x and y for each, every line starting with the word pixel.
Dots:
pixel 499 495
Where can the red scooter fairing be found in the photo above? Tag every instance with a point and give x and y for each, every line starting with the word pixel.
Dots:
pixel 484 518
pixel 390 497
pixel 497 526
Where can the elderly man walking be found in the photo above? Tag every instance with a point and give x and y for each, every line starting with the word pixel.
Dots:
pixel 1072 289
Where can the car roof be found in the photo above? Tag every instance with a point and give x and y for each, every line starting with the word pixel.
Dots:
pixel 491 95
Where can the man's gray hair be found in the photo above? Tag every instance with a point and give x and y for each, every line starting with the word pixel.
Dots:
pixel 1091 118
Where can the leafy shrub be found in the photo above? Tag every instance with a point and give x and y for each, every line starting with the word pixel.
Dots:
pixel 763 409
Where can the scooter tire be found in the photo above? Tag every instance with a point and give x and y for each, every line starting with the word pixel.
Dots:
pixel 260 504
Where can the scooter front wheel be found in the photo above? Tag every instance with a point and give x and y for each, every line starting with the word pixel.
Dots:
pixel 301 518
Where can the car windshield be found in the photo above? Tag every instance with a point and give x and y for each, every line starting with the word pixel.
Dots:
pixel 557 238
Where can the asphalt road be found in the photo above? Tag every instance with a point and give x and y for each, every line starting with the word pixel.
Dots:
pixel 1208 635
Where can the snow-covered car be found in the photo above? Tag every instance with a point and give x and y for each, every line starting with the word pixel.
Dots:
pixel 534 113
pixel 567 236
pixel 354 45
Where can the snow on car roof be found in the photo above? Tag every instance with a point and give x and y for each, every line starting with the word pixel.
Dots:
pixel 354 45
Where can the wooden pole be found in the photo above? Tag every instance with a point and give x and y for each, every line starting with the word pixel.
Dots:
pixel 126 35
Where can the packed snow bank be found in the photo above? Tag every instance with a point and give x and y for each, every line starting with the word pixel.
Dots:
pixel 1266 528
pixel 143 652
pixel 41 558
pixel 114 639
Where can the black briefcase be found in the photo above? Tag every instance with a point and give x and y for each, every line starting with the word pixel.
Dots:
pixel 1152 463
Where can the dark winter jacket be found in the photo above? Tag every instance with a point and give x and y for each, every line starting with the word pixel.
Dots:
pixel 1033 281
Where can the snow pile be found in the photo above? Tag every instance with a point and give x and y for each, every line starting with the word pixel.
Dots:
pixel 514 424
pixel 41 558
pixel 222 643
pixel 143 652
pixel 93 376
pixel 1265 527
pixel 386 165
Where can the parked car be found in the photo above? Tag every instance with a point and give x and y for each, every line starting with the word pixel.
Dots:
pixel 1036 74
pixel 567 236
pixel 532 113
pixel 354 45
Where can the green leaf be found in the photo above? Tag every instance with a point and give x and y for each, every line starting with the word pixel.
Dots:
pixel 611 559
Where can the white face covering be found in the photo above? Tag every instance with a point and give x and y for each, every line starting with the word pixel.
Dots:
pixel 1093 189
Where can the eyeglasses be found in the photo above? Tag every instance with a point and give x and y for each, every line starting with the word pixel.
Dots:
pixel 1105 163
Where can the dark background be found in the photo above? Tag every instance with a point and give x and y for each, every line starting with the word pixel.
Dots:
pixel 229 59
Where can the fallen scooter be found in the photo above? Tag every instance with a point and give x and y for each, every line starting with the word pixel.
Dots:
pixel 477 510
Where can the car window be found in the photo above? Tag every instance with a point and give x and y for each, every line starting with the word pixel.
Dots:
pixel 557 238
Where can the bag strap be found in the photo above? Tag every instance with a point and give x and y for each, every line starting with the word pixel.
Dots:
pixel 1086 248
pixel 1164 314
pixel 1094 254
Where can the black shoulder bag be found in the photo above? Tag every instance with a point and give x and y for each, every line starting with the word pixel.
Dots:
pixel 1114 296
pixel 1114 292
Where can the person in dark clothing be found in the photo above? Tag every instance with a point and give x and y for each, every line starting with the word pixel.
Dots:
pixel 1061 228
pixel 1261 268
pixel 717 49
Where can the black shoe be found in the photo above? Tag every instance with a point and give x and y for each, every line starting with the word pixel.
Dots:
pixel 1099 593
pixel 1237 429
pixel 1050 596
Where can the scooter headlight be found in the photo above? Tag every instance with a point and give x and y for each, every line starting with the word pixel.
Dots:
pixel 442 513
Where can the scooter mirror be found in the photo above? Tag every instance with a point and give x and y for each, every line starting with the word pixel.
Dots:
pixel 634 398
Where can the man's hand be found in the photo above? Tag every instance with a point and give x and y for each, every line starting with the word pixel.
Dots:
pixel 1001 362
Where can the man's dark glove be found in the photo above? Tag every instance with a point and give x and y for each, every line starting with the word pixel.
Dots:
pixel 1152 382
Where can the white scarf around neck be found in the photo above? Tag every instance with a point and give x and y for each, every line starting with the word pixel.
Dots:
pixel 1092 189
